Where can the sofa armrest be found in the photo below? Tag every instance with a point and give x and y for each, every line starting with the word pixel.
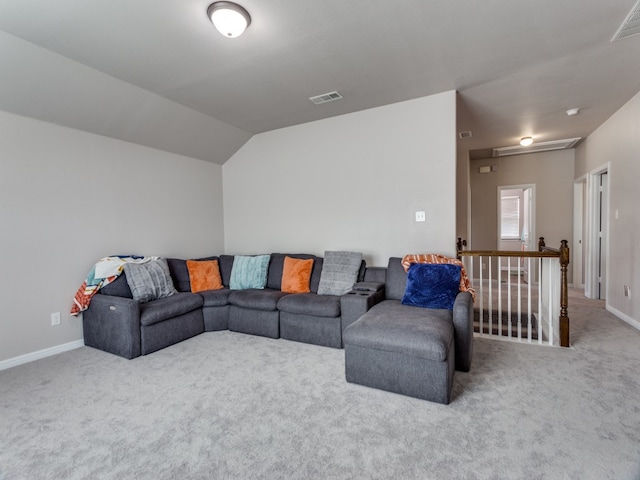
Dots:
pixel 463 330
pixel 356 303
pixel 368 287
pixel 112 324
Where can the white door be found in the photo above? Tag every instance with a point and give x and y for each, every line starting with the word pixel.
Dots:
pixel 602 234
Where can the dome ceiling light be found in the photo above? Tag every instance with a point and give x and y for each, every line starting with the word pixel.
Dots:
pixel 526 141
pixel 229 18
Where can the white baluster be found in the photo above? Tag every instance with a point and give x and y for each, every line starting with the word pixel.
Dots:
pixel 490 307
pixel 500 296
pixel 509 295
pixel 529 298
pixel 481 316
pixel 540 301
pixel 519 303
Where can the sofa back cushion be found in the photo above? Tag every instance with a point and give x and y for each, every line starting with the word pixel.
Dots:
pixel 118 288
pixel 225 262
pixel 396 281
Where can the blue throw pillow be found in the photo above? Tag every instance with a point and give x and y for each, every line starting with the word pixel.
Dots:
pixel 432 285
pixel 249 272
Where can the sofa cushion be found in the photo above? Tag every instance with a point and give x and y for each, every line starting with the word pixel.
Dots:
pixel 149 281
pixel 311 304
pixel 276 267
pixel 118 288
pixel 339 272
pixel 266 299
pixel 215 298
pixel 432 285
pixel 169 307
pixel 179 274
pixel 296 275
pixel 396 280
pixel 393 327
pixel 226 265
pixel 249 272
pixel 204 275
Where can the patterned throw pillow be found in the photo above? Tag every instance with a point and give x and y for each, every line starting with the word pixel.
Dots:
pixel 339 272
pixel 249 272
pixel 149 281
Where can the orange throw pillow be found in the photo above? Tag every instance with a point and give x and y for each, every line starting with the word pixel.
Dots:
pixel 204 275
pixel 296 275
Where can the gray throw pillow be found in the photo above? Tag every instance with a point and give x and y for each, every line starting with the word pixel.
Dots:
pixel 149 281
pixel 339 272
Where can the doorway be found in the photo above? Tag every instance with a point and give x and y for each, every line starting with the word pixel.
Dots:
pixel 597 251
pixel 579 231
pixel 516 220
pixel 516 217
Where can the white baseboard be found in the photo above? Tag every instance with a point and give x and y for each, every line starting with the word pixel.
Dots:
pixel 47 352
pixel 634 323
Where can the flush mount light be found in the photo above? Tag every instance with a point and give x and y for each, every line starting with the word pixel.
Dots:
pixel 229 18
pixel 573 111
pixel 526 141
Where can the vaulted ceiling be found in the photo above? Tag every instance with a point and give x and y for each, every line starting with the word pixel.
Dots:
pixel 159 74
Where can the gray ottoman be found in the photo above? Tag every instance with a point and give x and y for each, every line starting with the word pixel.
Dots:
pixel 402 349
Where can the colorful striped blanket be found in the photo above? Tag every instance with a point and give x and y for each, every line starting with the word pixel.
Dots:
pixel 465 284
pixel 105 271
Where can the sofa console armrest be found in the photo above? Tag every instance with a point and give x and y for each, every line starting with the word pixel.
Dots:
pixel 356 303
pixel 367 287
pixel 463 329
pixel 112 324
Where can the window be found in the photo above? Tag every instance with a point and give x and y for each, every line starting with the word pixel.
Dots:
pixel 510 218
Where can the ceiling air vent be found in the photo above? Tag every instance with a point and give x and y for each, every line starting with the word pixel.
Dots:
pixel 325 97
pixel 536 147
pixel 465 134
pixel 631 24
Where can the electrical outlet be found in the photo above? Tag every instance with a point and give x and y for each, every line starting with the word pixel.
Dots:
pixel 421 216
pixel 55 318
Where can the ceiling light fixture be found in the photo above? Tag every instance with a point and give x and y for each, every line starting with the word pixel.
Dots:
pixel 573 111
pixel 229 18
pixel 526 141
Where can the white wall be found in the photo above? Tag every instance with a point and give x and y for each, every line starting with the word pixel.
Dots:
pixel 351 182
pixel 68 198
pixel 618 141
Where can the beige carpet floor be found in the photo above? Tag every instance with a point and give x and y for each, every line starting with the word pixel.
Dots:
pixel 230 406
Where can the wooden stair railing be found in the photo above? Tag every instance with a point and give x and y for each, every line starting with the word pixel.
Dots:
pixel 563 256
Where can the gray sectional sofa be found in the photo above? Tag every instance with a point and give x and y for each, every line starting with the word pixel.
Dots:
pixel 116 323
pixel 388 345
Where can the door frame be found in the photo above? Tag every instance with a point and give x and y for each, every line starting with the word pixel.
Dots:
pixel 532 220
pixel 579 224
pixel 592 254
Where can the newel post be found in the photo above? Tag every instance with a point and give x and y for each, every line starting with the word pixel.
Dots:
pixel 541 244
pixel 564 294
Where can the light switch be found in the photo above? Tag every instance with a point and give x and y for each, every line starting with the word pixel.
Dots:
pixel 421 216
